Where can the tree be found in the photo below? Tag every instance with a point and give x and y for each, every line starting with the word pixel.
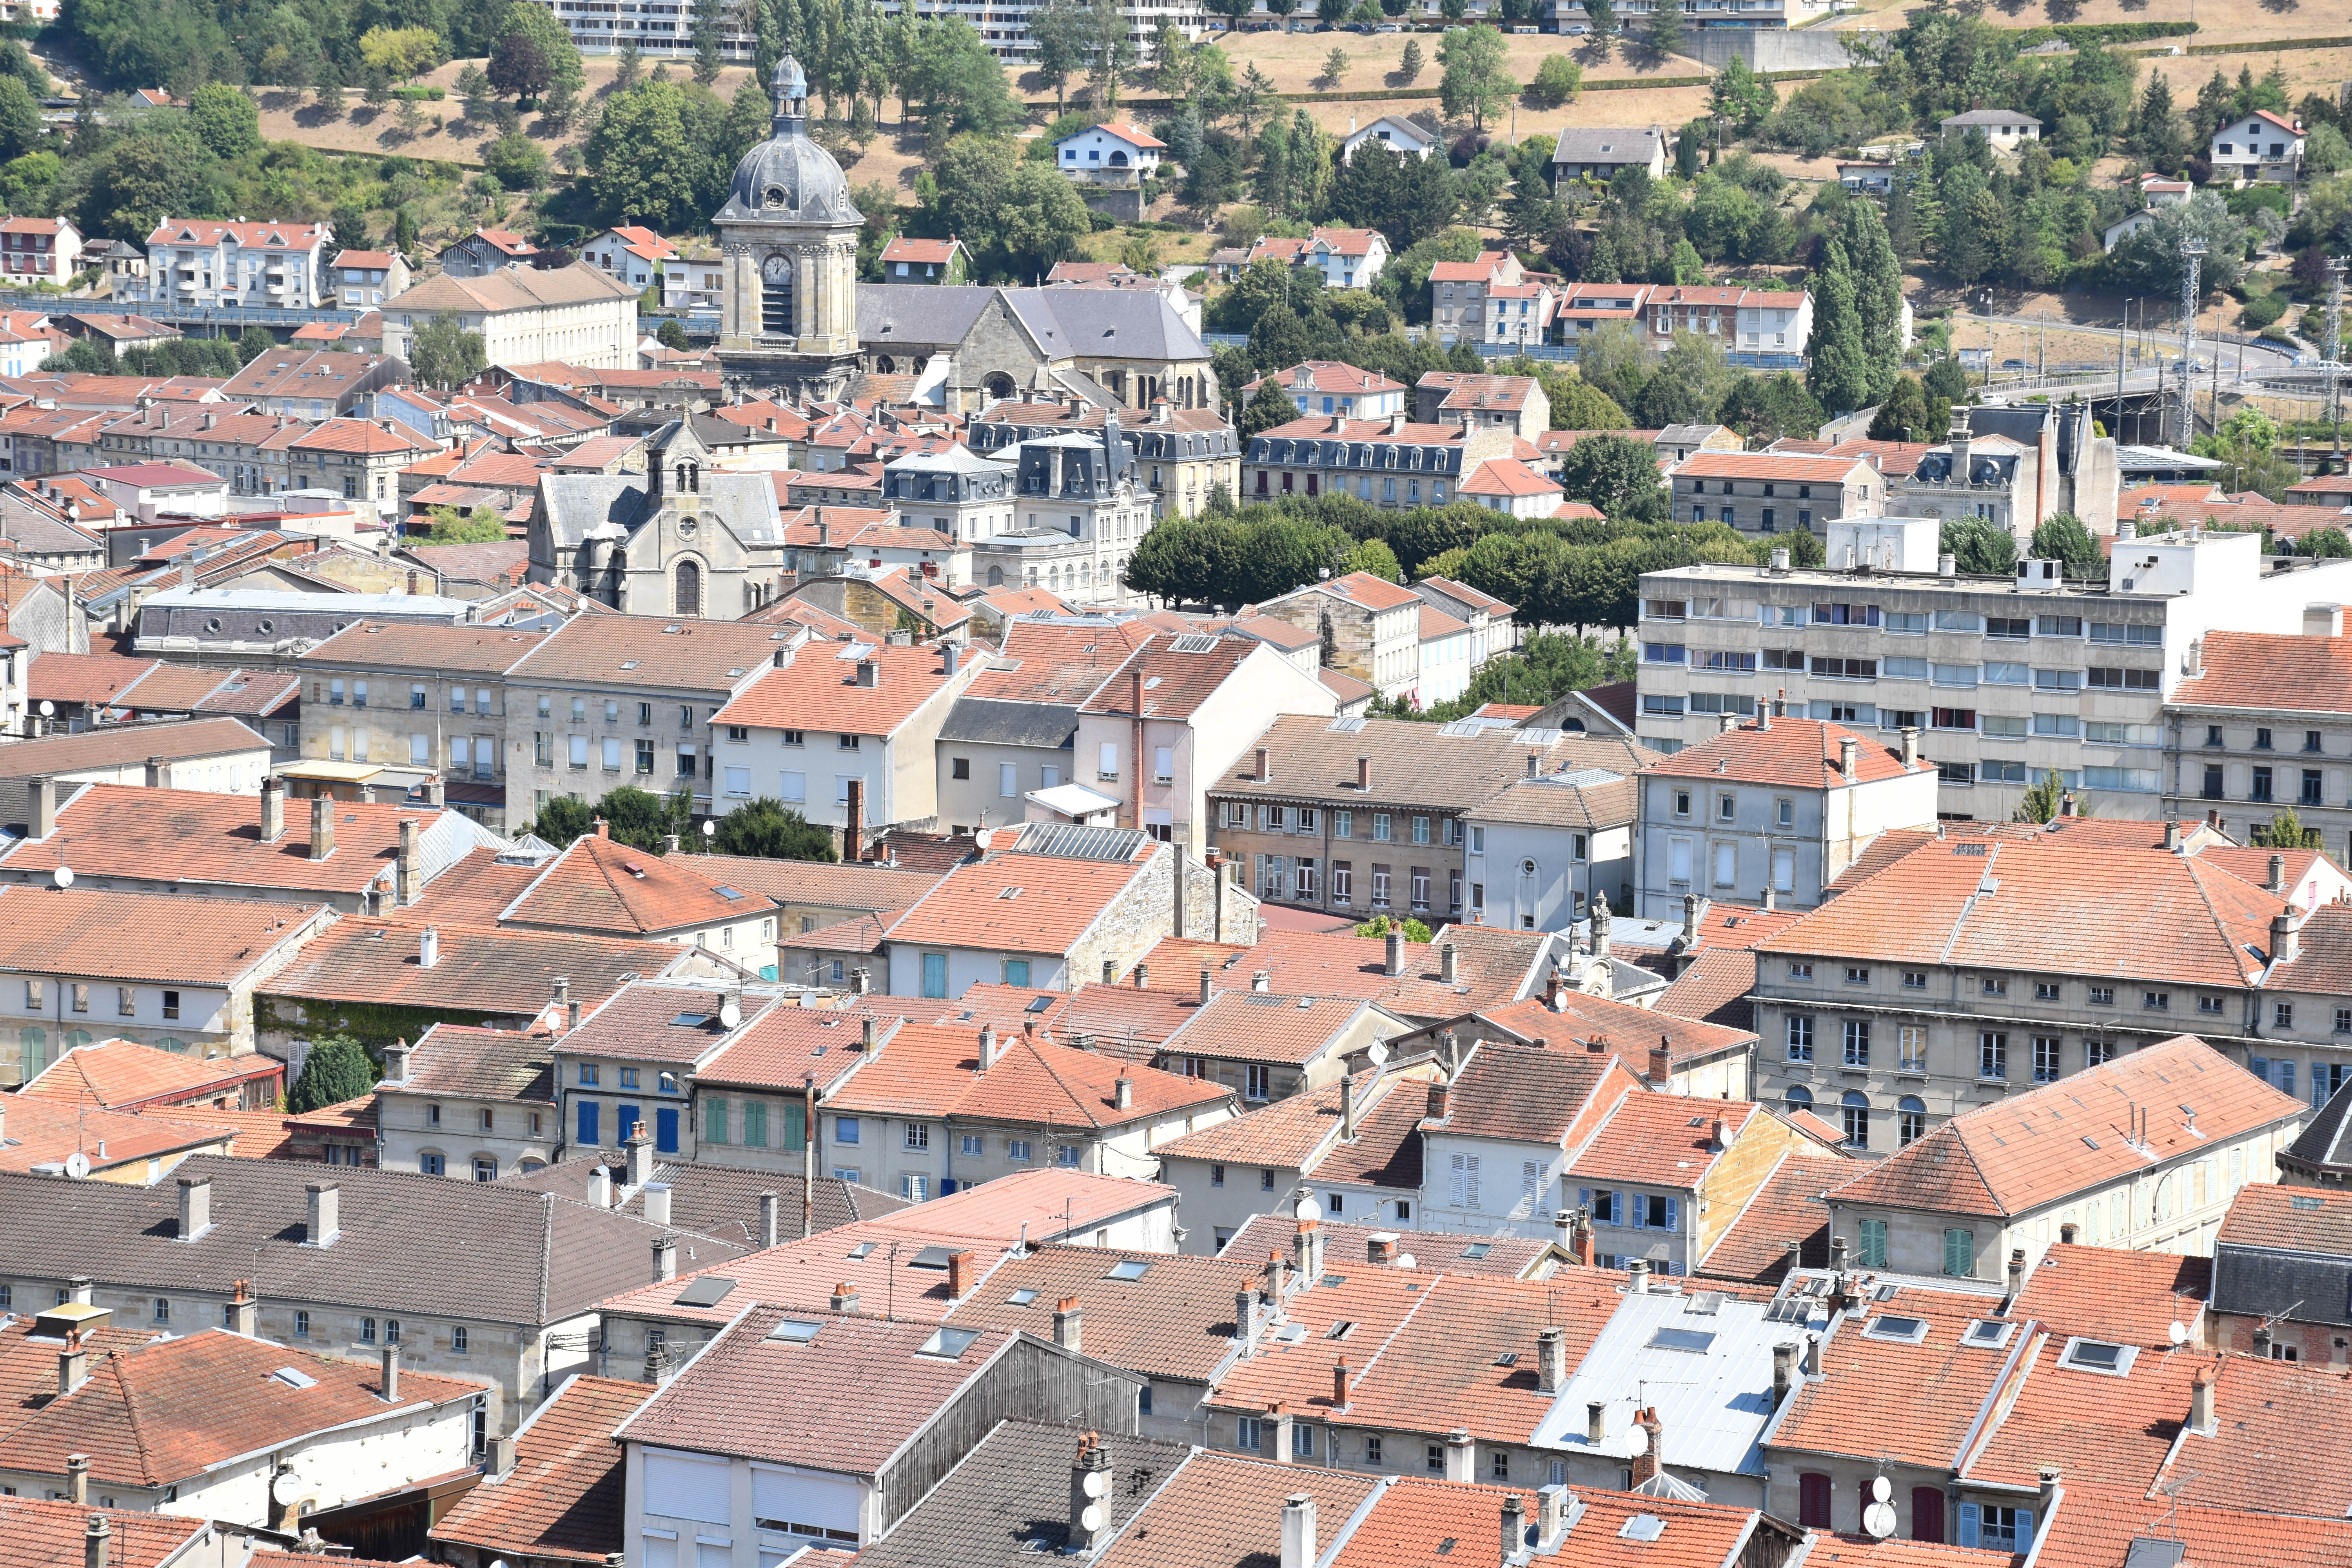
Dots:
pixel 2062 536
pixel 2045 798
pixel 252 343
pixel 1332 11
pixel 517 162
pixel 642 819
pixel 1410 64
pixel 1379 926
pixel 1558 80
pixel 631 66
pixel 1663 36
pixel 960 84
pixel 1335 68
pixel 1765 408
pixel 561 820
pixel 326 90
pixel 1408 199
pixel 1903 415
pixel 671 335
pixel 338 1069
pixel 518 67
pixel 1616 474
pixel 1877 297
pixel 1110 52
pixel 2148 262
pixel 401 53
pixel 1477 74
pixel 1277 341
pixel 1840 373
pixel 1060 29
pixel 474 87
pixel 769 830
pixel 1043 218
pixel 1741 97
pixel 1268 406
pixel 643 168
pixel 479 526
pixel 710 35
pixel 403 232
pixel 226 120
pixel 1979 547
pixel 2285 831
pixel 376 90
pixel 443 354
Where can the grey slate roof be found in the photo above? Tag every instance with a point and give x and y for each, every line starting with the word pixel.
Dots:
pixel 575 503
pixel 981 721
pixel 1012 1494
pixel 425 1244
pixel 2325 1144
pixel 1110 324
pixel 1607 144
pixel 717 1200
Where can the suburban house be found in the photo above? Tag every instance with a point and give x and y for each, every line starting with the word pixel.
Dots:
pixel 1327 387
pixel 1596 152
pixel 1405 138
pixel 1109 151
pixel 2260 146
pixel 905 260
pixel 2004 128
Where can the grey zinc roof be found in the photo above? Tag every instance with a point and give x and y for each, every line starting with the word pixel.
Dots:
pixel 715 1201
pixel 2325 1141
pixel 918 312
pixel 1990 117
pixel 477 1250
pixel 1009 1497
pixel 1109 323
pixel 117 744
pixel 1607 144
pixel 980 721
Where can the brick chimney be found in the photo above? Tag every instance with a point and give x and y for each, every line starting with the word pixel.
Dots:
pixel 1646 1462
pixel 244 1312
pixel 410 874
pixel 963 1266
pixel 1441 1096
pixel 1340 1375
pixel 852 830
pixel 390 1382
pixel 1662 1063
pixel 844 1297
pixel 1364 775
pixel 322 826
pixel 1069 1321
pixel 73 1370
pixel 1380 1248
pixel 1265 765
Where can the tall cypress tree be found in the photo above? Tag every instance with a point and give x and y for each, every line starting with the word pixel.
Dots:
pixel 1839 376
pixel 1877 297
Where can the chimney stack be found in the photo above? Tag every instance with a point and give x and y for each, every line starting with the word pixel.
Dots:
pixel 1143 977
pixel 391 1374
pixel 1637 1276
pixel 1364 775
pixel 1122 1094
pixel 2262 1340
pixel 665 1259
pixel 844 1297
pixel 1551 1359
pixel 1662 1064
pixel 409 870
pixel 195 1206
pixel 1650 1460
pixel 658 1203
pixel 395 1062
pixel 1596 1422
pixel 1849 757
pixel 2067 1232
pixel 600 1185
pixel 1340 1376
pixel 502 1457
pixel 1837 1253
pixel 244 1312
pixel 1245 1323
pixel 2016 1271
pixel 640 1148
pixel 1090 1484
pixel 45 808
pixel 767 1219
pixel 96 1536
pixel 2200 1403
pixel 962 1277
pixel 1262 980
pixel 1515 1526
pixel 73 1370
pixel 1447 965
pixel 325 1218
pixel 852 830
pixel 322 826
pixel 1535 764
pixel 1283 1424
pixel 1395 953
pixel 2277 883
pixel 1298 1530
pixel 1439 1095
pixel 428 945
pixel 1911 746
pixel 78 1478
pixel 1069 1321
pixel 1205 991
pixel 1784 1371
pixel 1265 765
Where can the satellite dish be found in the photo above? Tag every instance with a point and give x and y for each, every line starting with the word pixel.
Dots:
pixel 1404 1260
pixel 1309 1210
pixel 2179 1332
pixel 1638 1437
pixel 1091 1517
pixel 48 710
pixel 1378 1054
pixel 1097 1482
pixel 709 829
pixel 1879 1520
pixel 62 876
pixel 984 838
pixel 286 1486
pixel 78 1164
pixel 1881 1489
pixel 729 1014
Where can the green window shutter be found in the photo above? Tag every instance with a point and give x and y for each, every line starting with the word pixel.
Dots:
pixel 755 1125
pixel 795 1125
pixel 714 1119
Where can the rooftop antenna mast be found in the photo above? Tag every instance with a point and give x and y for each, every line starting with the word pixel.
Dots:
pixel 2334 359
pixel 2192 260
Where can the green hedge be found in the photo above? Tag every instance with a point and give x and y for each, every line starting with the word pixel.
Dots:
pixel 2080 33
pixel 420 94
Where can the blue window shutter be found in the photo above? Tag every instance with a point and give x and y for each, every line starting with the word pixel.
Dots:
pixel 1674 1210
pixel 588 1123
pixel 2024 1538
pixel 1584 1202
pixel 1640 1213
pixel 1971 1531
pixel 665 1130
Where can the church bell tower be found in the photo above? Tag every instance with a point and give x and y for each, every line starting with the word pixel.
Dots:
pixel 788 234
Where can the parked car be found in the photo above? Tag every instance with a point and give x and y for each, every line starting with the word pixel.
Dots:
pixel 1388 28
pixel 1578 31
pixel 2012 364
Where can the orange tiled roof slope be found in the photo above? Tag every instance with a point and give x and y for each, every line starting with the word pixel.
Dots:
pixel 479 968
pixel 2272 672
pixel 1223 1511
pixel 2123 1297
pixel 126 1075
pixel 1174 681
pixel 1023 903
pixel 1971 903
pixel 43 1131
pixel 1173 1319
pixel 925 1070
pixel 563 1497
pixel 2020 1154
pixel 1945 1384
pixel 1798 753
pixel 163 1412
pixel 123 830
pixel 601 885
pixel 1786 1209
pixel 819 682
pixel 39 1533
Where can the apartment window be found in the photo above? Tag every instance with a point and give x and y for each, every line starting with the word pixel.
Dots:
pixel 1871 1233
pixel 1434 1454
pixel 1911 1049
pixel 1801 972
pixel 1856 976
pixel 163 1310
pixel 35 990
pixel 2100 996
pixel 1959 1253
pixel 791 738
pixel 458 1340
pixel 2261 785
pixel 1216 1175
pixel 2262 739
pixel 1258 1085
pixel 1910 1120
pixel 2157 1001
pixel 969 1143
pixel 1995 987
pixel 1915 980
pixel 1371 1450
pixel 1017 1148
pixel 391 1331
pixel 367 1331
pixel 918 1135
pixel 2212 734
pixel 845 1130
pixel 629 1078
pixel 2045 1059
pixel 1800 1037
pixel 2045 991
pixel 301 1324
pixel 1992 1054
pixel 1854 1118
pixel 80 997
pixel 2282 1015
pixel 126 1002
pixel 1246 1433
pixel 1421 830
pixel 1382 828
pixel 1343 824
pixel 1784 813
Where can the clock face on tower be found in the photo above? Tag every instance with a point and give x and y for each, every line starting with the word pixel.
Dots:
pixel 778 269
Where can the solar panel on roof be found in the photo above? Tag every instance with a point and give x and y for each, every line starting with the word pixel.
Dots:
pixel 1344 726
pixel 932 1257
pixel 1194 644
pixel 705 1291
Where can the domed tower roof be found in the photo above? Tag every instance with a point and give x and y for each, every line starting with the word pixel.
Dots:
pixel 789 178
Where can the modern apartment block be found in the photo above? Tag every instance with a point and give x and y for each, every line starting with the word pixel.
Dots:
pixel 2263 722
pixel 2007 678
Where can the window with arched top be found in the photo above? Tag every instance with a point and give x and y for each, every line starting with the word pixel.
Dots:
pixel 998 385
pixel 689 578
pixel 689 479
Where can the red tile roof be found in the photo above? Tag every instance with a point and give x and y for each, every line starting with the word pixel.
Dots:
pixel 123 1074
pixel 2271 672
pixel 1416 1522
pixel 565 1497
pixel 1223 1511
pixel 1017 904
pixel 477 968
pixel 1176 681
pixel 39 1533
pixel 2094 1526
pixel 1175 1319
pixel 2103 1430
pixel 2281 1436
pixel 926 1070
pixel 1771 465
pixel 2124 1298
pixel 1787 1207
pixel 1532 1096
pixel 47 1129
pixel 1945 1384
pixel 819 684
pixel 600 886
pixel 2036 1148
pixel 1801 753
pixel 1126 1021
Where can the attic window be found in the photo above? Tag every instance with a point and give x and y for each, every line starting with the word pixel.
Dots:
pixel 690 1020
pixel 1039 1004
pixel 1508 1358
pixel 1340 1329
pixel 1008 892
pixel 628 664
pixel 2306 1204
pixel 1478 1249
pixel 932 1257
pixel 860 1250
pixel 729 893
pixel 1698 1341
pixel 2096 1355
pixel 948 1343
pixel 1904 1331
pixel 1021 1298
pixel 295 1377
pixel 793 1332
pixel 1641 1526
pixel 1128 1268
pixel 1987 1335
pixel 708 1290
